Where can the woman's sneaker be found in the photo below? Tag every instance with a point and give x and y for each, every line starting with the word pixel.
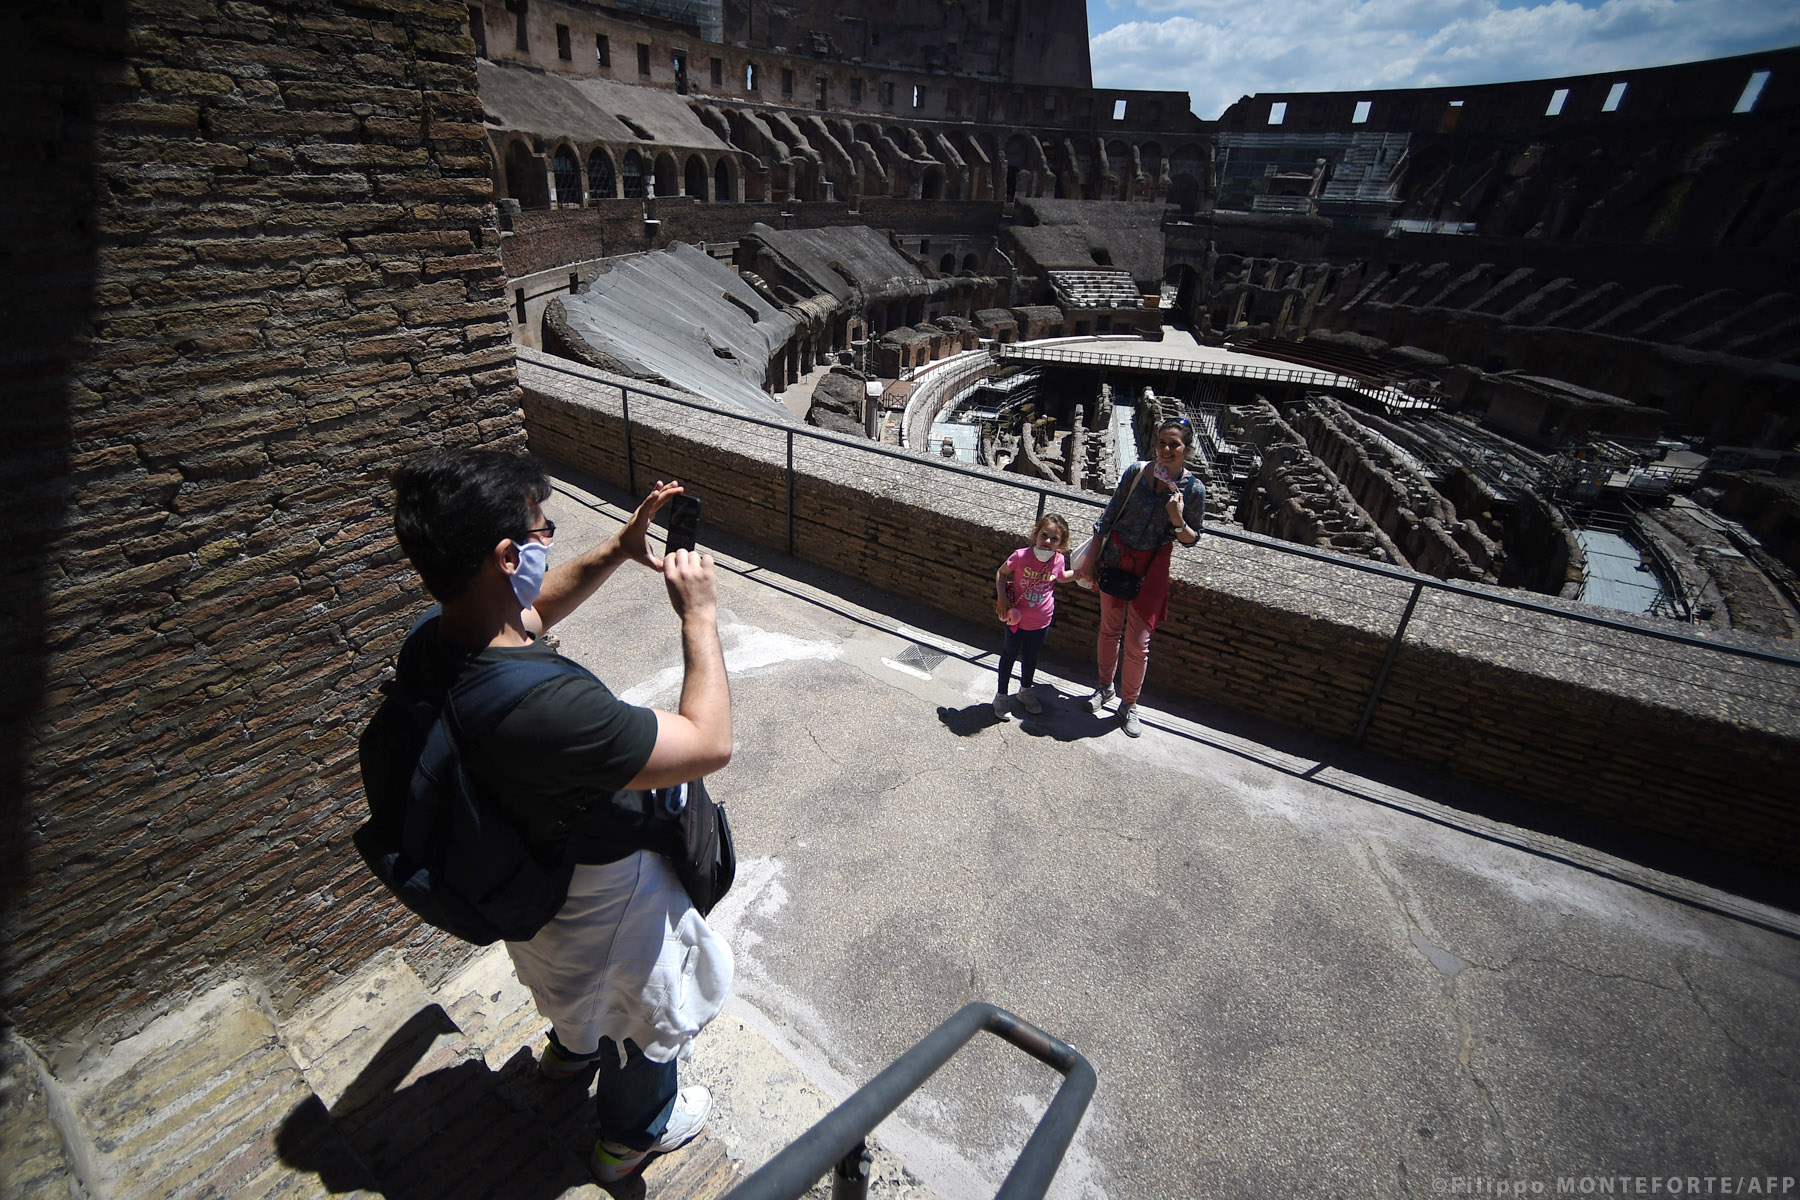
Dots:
pixel 1099 699
pixel 1128 721
pixel 611 1161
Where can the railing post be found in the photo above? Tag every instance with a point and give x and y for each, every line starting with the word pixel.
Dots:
pixel 630 463
pixel 1043 499
pixel 850 1178
pixel 790 492
pixel 1387 664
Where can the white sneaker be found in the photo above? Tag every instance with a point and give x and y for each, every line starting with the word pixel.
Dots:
pixel 1002 706
pixel 611 1162
pixel 1098 700
pixel 1028 697
pixel 1128 721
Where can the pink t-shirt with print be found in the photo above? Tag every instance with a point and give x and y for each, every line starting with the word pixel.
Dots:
pixel 1034 587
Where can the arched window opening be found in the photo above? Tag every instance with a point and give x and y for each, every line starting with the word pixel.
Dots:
pixel 947 264
pixel 525 177
pixel 568 178
pixel 694 177
pixel 632 173
pixel 722 189
pixel 666 175
pixel 600 176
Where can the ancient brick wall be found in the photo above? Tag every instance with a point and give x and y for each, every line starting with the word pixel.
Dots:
pixel 1678 742
pixel 545 239
pixel 267 271
pixel 1395 494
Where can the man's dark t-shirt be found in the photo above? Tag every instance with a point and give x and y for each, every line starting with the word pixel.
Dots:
pixel 559 761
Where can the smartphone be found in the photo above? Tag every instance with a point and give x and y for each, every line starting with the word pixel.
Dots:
pixel 684 523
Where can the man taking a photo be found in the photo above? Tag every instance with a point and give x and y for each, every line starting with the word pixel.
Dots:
pixel 627 972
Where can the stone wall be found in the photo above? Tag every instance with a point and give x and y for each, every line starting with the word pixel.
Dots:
pixel 264 270
pixel 1675 741
pixel 1395 494
pixel 1298 498
pixel 550 238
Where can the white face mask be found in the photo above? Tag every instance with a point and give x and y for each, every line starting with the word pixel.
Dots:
pixel 1043 555
pixel 528 580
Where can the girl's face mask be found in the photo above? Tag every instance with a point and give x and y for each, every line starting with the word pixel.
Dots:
pixel 1043 555
pixel 528 580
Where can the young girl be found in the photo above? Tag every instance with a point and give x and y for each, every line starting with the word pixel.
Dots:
pixel 1026 604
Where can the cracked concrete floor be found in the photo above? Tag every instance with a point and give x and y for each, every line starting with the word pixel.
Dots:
pixel 1291 977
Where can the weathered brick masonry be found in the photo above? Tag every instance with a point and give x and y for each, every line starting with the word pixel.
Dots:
pixel 259 249
pixel 547 239
pixel 1678 741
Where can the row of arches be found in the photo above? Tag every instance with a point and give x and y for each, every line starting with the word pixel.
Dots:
pixel 816 156
pixel 776 156
pixel 570 176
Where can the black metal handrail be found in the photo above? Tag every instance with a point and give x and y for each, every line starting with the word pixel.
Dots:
pixel 1045 490
pixel 837 1142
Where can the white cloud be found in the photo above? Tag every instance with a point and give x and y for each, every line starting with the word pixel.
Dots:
pixel 1218 50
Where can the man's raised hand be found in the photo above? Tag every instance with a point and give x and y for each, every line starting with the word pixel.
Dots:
pixel 634 538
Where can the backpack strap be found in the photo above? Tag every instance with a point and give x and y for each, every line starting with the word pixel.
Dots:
pixel 482 698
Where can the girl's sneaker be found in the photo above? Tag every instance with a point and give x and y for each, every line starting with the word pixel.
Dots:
pixel 1028 697
pixel 1002 706
pixel 611 1161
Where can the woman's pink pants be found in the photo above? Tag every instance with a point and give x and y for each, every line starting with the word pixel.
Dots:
pixel 1121 619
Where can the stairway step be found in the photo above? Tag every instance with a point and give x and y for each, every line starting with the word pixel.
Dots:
pixel 36 1165
pixel 386 1087
pixel 701 1171
pixel 206 1102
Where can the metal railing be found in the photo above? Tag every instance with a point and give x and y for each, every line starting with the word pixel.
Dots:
pixel 1185 366
pixel 837 1145
pixel 1469 604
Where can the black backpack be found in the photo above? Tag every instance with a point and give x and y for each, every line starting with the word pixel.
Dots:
pixel 433 837
pixel 450 854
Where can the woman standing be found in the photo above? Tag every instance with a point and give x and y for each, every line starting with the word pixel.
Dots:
pixel 1155 505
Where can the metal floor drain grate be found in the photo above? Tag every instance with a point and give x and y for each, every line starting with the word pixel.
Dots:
pixel 921 657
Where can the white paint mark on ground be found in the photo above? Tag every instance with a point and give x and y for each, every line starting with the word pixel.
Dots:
pixel 1078 1178
pixel 748 651
pixel 801 1034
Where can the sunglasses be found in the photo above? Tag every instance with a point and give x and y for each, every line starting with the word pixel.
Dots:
pixel 548 528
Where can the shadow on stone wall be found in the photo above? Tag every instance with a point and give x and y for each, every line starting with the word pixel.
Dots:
pixel 61 56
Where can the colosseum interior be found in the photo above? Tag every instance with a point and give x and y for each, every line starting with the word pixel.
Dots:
pixel 1497 398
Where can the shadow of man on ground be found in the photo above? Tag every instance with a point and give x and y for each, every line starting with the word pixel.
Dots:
pixel 459 1129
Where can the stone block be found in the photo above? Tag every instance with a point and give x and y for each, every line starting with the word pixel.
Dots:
pixel 197 83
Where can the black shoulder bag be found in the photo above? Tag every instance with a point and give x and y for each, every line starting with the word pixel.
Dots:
pixel 1117 581
pixel 701 848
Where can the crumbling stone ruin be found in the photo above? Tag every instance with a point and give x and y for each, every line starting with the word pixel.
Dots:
pixel 1393 245
pixel 269 250
pixel 839 402
pixel 1396 495
pixel 1297 498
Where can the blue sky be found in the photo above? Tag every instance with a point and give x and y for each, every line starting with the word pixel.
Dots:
pixel 1218 50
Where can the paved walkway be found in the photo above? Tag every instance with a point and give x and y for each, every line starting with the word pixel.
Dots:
pixel 1297 972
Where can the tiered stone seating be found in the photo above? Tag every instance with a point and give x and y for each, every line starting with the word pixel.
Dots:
pixel 1095 289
